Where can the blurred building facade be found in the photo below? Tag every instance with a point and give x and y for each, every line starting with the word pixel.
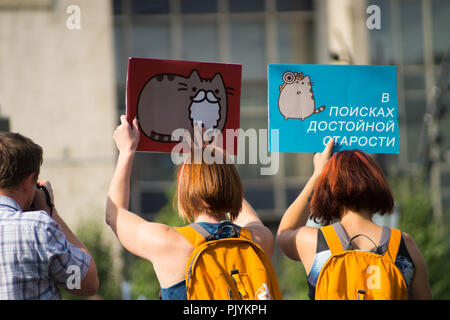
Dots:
pixel 256 33
pixel 65 88
pixel 57 87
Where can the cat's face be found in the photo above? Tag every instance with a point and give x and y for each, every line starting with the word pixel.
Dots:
pixel 301 85
pixel 207 97
pixel 194 84
pixel 305 82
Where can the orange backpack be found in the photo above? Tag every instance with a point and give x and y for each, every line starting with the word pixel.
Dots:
pixel 360 275
pixel 233 268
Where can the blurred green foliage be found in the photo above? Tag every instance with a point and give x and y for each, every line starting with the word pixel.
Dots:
pixel 412 194
pixel 90 232
pixel 143 280
pixel 292 279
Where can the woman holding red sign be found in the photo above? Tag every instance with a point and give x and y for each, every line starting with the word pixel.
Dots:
pixel 211 195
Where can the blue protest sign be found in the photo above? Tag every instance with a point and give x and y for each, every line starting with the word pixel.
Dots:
pixel 353 104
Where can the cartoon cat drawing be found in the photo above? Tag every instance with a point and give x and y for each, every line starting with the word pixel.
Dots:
pixel 296 100
pixel 171 101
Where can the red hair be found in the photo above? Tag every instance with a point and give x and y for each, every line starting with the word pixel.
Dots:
pixel 350 180
pixel 215 189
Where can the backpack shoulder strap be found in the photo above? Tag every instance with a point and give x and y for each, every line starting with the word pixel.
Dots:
pixel 194 233
pixel 245 234
pixel 334 244
pixel 394 244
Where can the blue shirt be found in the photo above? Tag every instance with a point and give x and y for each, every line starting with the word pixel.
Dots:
pixel 35 257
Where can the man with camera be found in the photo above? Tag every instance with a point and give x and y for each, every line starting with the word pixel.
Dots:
pixel 38 251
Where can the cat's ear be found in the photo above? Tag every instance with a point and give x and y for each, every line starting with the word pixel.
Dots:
pixel 217 78
pixel 194 76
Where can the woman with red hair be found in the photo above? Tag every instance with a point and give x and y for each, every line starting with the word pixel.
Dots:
pixel 211 195
pixel 347 189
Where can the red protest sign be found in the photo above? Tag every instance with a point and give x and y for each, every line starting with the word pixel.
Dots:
pixel 170 94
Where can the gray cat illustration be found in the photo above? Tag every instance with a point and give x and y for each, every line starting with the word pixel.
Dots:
pixel 172 101
pixel 296 100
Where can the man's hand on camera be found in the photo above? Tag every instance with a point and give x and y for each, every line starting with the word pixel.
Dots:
pixel 40 199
